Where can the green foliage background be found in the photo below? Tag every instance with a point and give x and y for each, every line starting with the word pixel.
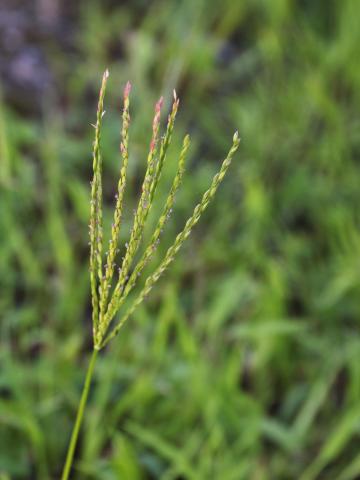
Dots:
pixel 244 362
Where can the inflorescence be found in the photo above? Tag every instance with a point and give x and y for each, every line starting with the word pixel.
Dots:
pixel 109 295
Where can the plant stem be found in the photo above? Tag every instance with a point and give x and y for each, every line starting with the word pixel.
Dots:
pixel 79 417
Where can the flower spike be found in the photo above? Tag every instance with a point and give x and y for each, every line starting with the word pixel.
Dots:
pixel 105 304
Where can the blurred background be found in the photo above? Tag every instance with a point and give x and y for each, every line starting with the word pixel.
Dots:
pixel 244 361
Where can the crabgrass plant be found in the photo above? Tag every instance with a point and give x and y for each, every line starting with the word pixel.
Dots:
pixel 108 294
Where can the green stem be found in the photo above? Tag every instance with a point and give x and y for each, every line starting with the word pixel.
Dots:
pixel 79 417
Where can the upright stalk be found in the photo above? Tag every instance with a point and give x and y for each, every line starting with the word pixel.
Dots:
pixel 79 417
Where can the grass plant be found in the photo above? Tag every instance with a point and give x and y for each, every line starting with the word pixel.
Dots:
pixel 108 294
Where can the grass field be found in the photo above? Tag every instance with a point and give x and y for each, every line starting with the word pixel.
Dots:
pixel 243 364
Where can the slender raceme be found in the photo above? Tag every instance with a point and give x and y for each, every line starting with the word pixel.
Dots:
pixel 115 228
pixel 108 295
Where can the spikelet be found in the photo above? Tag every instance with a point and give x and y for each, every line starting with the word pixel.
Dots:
pixel 95 226
pixel 105 306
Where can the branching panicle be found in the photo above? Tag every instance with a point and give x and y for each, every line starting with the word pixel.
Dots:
pixel 105 306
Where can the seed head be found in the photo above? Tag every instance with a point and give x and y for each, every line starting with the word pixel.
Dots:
pixel 107 301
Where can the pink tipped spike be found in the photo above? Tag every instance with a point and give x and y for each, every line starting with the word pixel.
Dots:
pixel 159 105
pixel 157 115
pixel 156 123
pixel 127 89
